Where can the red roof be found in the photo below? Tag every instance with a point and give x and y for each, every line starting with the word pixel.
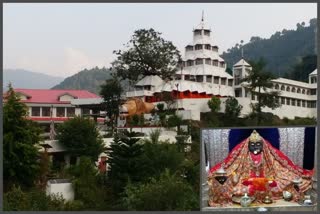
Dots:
pixel 52 96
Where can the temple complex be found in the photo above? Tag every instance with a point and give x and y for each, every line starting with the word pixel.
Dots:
pixel 203 74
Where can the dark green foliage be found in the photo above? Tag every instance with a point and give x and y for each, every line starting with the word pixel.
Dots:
pixel 81 137
pixel 147 54
pixel 281 51
pixel 259 80
pixel 168 192
pixel 232 111
pixel 214 104
pixel 175 121
pixel 33 200
pixel 86 80
pixel 86 185
pixel 302 69
pixel 111 92
pixel 124 161
pixel 158 157
pixel 20 154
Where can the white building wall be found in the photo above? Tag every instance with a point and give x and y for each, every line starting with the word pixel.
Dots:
pixel 63 189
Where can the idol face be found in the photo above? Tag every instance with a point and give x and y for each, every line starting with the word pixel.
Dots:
pixel 255 147
pixel 221 179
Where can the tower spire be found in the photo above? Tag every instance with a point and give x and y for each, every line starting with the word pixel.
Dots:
pixel 202 18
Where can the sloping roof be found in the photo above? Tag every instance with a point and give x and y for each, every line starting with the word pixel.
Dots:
pixel 150 80
pixel 52 96
pixel 241 62
pixel 315 72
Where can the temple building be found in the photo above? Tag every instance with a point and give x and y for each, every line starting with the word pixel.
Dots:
pixel 203 75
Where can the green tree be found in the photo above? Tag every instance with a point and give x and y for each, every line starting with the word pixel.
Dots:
pixel 258 81
pixel 214 104
pixel 168 192
pixel 302 69
pixel 81 137
pixel 86 185
pixel 20 154
pixel 124 161
pixel 111 93
pixel 175 121
pixel 147 54
pixel 233 108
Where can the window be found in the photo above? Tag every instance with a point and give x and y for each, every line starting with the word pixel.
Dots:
pixel 230 82
pixel 216 80
pixel 199 78
pixel 46 111
pixel 303 91
pixel 308 92
pixel 238 92
pixel 215 62
pixel 35 111
pixel 298 102
pixel 288 88
pixel 288 101
pixel 215 48
pixel 313 91
pixel 253 97
pixel 61 112
pixel 189 48
pixel 209 78
pixel 293 102
pixel 221 64
pixel 313 104
pixel 299 91
pixel 85 111
pixel 198 47
pixel 199 61
pixel 208 61
pixel 293 89
pixel 223 81
pixel 71 112
pixel 276 86
pixel 189 62
pixel 197 32
pixel 283 100
pixel 282 88
pixel 303 103
pixel 207 32
pixel 208 47
pixel 187 77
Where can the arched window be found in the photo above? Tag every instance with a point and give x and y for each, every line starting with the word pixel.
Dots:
pixel 299 91
pixel 303 91
pixel 282 88
pixel 288 88
pixel 293 89
pixel 276 86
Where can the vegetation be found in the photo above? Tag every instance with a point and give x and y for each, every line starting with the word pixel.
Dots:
pixel 302 69
pixel 147 53
pixel 257 82
pixel 232 110
pixel 86 80
pixel 214 104
pixel 111 92
pixel 281 51
pixel 20 154
pixel 81 137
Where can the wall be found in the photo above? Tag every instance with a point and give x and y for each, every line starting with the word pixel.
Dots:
pixel 65 189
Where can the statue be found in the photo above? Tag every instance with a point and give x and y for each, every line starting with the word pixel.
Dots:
pixel 135 106
pixel 261 171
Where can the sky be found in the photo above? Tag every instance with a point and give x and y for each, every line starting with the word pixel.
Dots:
pixel 63 39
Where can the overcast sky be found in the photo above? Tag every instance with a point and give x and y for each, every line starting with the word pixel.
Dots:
pixel 62 39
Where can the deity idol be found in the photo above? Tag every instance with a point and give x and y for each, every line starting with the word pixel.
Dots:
pixel 257 168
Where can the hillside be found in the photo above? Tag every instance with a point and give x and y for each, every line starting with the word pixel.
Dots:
pixel 281 51
pixel 20 78
pixel 86 79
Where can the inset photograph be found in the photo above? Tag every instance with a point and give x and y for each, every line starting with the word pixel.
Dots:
pixel 259 169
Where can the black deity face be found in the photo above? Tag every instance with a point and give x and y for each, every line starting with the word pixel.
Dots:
pixel 255 147
pixel 221 179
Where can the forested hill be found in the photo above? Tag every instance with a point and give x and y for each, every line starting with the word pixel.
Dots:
pixel 281 51
pixel 86 79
